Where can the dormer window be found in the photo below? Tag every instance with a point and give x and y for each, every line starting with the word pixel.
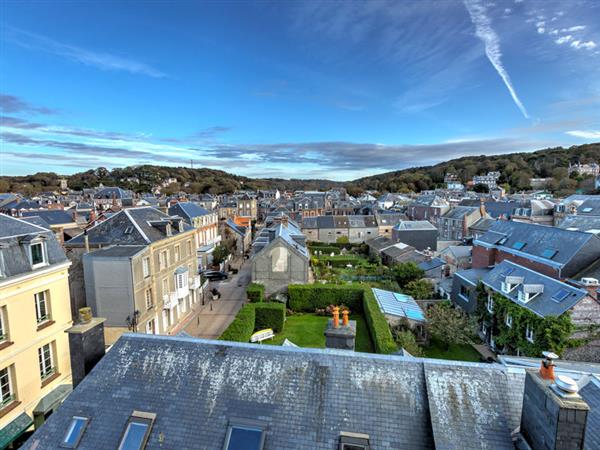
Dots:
pixel 169 230
pixel 37 254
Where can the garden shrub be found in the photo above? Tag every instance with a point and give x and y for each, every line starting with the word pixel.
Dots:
pixel 255 293
pixel 342 261
pixel 309 297
pixel 269 315
pixel 378 325
pixel 242 326
pixel 325 249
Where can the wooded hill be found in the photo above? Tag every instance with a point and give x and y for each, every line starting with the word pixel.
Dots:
pixel 517 169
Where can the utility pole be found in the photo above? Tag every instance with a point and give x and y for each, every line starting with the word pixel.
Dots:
pixel 192 163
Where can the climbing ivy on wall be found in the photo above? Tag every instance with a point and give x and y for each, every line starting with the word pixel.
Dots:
pixel 549 333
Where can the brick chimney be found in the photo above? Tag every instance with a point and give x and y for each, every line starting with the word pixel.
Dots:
pixel 554 415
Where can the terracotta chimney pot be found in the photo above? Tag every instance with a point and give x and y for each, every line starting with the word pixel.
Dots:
pixel 336 317
pixel 345 317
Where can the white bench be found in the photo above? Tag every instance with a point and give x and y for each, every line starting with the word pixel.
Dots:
pixel 262 335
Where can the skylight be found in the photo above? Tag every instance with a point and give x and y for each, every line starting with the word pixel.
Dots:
pixel 549 253
pixel 518 245
pixel 244 437
pixel 560 295
pixel 586 210
pixel 137 431
pixel 75 432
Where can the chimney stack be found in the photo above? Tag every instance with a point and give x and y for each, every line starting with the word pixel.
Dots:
pixel 86 344
pixel 341 337
pixel 554 415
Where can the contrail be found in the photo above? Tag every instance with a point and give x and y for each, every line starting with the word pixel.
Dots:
pixel 485 32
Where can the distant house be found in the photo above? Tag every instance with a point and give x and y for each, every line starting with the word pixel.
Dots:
pixel 454 224
pixel 457 257
pixel 490 180
pixel 427 207
pixel 240 235
pixel 113 197
pixel 279 256
pixel 420 234
pixel 552 251
pixel 246 206
pixel 539 294
pixel 329 229
pixel 392 252
pixel 386 222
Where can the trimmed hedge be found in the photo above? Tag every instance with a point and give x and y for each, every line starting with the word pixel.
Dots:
pixel 242 326
pixel 269 315
pixel 378 325
pixel 341 261
pixel 255 293
pixel 308 297
pixel 325 249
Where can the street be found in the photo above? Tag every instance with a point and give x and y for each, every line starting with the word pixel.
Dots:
pixel 213 318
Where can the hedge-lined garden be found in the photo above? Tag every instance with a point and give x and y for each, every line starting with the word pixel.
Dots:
pixel 309 297
pixel 255 293
pixel 253 317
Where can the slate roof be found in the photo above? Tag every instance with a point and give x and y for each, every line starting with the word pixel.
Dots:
pixel 415 225
pixel 379 243
pixel 590 224
pixel 51 216
pixel 537 239
pixel 496 209
pixel 459 251
pixel 549 302
pixel 353 221
pixel 187 210
pixel 15 257
pixel 431 264
pixel 590 207
pixel 113 192
pixel 117 251
pixel 289 233
pixel 305 397
pixel 460 212
pixel 131 226
pixel 235 227
pixel 389 219
pixel 591 394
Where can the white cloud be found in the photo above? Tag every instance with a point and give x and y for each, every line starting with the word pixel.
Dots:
pixel 541 30
pixel 585 134
pixel 572 29
pixel 589 45
pixel 564 39
pixel 553 32
pixel 485 32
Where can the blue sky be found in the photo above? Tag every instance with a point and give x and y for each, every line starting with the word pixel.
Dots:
pixel 293 89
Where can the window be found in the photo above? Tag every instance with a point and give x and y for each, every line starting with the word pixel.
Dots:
pixel 549 253
pixel 46 361
pixel 3 327
pixel 464 291
pixel 6 390
pixel 189 247
pixel 165 286
pixel 137 431
pixel 163 259
pixel 146 267
pixel 181 279
pixel 244 437
pixel 37 254
pixel 518 245
pixel 354 441
pixel 42 313
pixel 148 298
pixel 490 304
pixel 508 320
pixel 75 432
pixel 177 253
pixel 151 327
pixel 560 295
pixel 529 334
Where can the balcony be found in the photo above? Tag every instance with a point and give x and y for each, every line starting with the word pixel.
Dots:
pixel 170 300
pixel 195 282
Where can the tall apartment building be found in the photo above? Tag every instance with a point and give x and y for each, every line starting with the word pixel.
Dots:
pixel 35 311
pixel 247 206
pixel 141 271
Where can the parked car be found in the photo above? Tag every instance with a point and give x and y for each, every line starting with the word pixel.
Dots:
pixel 215 275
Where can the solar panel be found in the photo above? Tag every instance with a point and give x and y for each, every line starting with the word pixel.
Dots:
pixel 561 294
pixel 396 304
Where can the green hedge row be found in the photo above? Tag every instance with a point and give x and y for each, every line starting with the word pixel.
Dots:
pixel 269 315
pixel 378 325
pixel 255 293
pixel 242 326
pixel 325 249
pixel 308 297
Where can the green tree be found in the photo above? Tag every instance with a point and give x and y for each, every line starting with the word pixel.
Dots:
pixel 419 289
pixel 220 253
pixel 407 272
pixel 343 240
pixel 406 340
pixel 449 325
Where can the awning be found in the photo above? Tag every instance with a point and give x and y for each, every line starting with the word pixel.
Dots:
pixel 54 398
pixel 14 429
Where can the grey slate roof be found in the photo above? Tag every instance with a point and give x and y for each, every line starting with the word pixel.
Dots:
pixel 51 216
pixel 591 394
pixel 305 397
pixel 131 226
pixel 117 251
pixel 187 210
pixel 537 239
pixel 113 192
pixel 415 225
pixel 545 303
pixel 581 223
pixel 15 257
pixel 460 212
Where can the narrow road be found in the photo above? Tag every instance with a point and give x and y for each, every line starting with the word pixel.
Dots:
pixel 214 317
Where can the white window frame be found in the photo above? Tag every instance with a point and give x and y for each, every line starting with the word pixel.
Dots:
pixel 529 334
pixel 148 298
pixel 146 266
pixel 177 253
pixel 165 283
pixel 46 371
pixel 6 399
pixel 3 328
pixel 151 326
pixel 490 304
pixel 42 297
pixel 508 320
pixel 44 262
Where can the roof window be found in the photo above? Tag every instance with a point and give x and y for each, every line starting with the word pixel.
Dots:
pixel 244 436
pixel 519 245
pixel 75 432
pixel 354 441
pixel 561 295
pixel 137 431
pixel 549 253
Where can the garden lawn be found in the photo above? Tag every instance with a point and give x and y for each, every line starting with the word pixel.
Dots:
pixel 457 352
pixel 306 330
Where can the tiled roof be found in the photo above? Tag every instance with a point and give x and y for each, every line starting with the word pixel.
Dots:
pixel 305 397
